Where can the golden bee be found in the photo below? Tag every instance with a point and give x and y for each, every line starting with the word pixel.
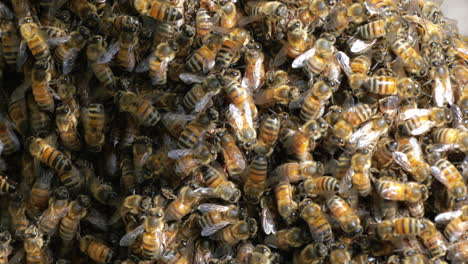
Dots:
pixel 319 227
pixel 204 57
pixel 234 158
pixel 58 207
pixel 182 205
pixel 78 209
pixel 234 233
pixel 410 157
pixel 344 214
pixel 419 121
pixel 312 253
pixel 99 54
pixel 218 185
pixel 95 249
pixel 401 191
pixel 49 155
pixel 406 226
pixel 159 10
pixel 216 217
pixel 287 207
pixel 36 43
pixel 230 47
pixel 285 239
pixel 445 172
pixel 256 178
pixel 67 124
pixel 142 110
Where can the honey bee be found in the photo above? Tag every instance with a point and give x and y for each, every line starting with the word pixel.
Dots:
pixel 298 42
pixel 239 95
pixel 182 205
pixel 457 252
pixel 95 249
pixel 41 90
pixel 228 15
pixel 433 240
pixel 216 217
pixel 58 207
pixel 66 53
pixel 200 94
pixel 410 158
pixel 315 100
pixel 286 238
pixel 349 120
pixel 241 119
pixel 99 54
pixel 36 43
pixel 9 141
pixel 140 109
pixel 279 94
pixel 297 172
pixel 67 124
pixel 188 161
pixel 17 110
pixel 387 85
pixel 100 191
pixel 10 42
pixel 127 179
pixel 174 257
pixel 312 253
pixel 450 139
pixel 297 143
pixel 254 185
pixel 142 150
pixel 320 185
pixel 94 119
pixel 84 9
pixel 33 245
pixel 458 48
pixel 49 155
pixel 398 191
pixel 383 154
pixel 442 86
pixel 456 223
pixel 347 217
pixel 231 45
pixel 184 40
pixel 204 57
pixel 315 60
pixel 268 133
pixel 356 69
pixel 287 207
pixel 444 171
pixel 319 227
pixel 203 23
pixel 40 193
pixel 5 186
pixel 78 209
pixel 128 38
pixel 5 248
pixel 158 10
pixel 157 63
pixel 17 211
pixel 234 158
pixel 218 185
pixel 196 129
pixel 234 233
pixel 71 179
pixel 419 121
pixel 412 59
pixel 405 226
pixel 340 253
pixel 270 10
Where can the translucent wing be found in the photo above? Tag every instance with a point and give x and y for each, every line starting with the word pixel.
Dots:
pixel 360 46
pixel 457 116
pixel 207 67
pixel 175 116
pixel 109 54
pixel 436 172
pixel 281 56
pixel 97 219
pixel 423 128
pixel 416 147
pixel 20 91
pixel 131 236
pixel 409 113
pixel 389 104
pixel 401 159
pixel 190 78
pixel 18 257
pixel 208 207
pixel 143 66
pixel 53 42
pixel 203 102
pixel 268 223
pixel 333 70
pixel 299 62
pixel 22 56
pixel 236 115
pixel 443 147
pixel 347 179
pixel 211 229
pixel 445 218
pixel 179 153
pixel 69 61
pixel 248 115
pixel 343 61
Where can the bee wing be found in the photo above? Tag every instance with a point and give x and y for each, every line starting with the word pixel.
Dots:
pixel 97 219
pixel 299 62
pixel 347 183
pixel 175 116
pixel 423 128
pixel 131 236
pixel 143 66
pixel 207 67
pixel 457 116
pixel 203 102
pixel 237 116
pixel 18 257
pixel 84 116
pixel 360 46
pixel 389 104
pixel 364 134
pixel 416 112
pixel 333 70
pixel 5 12
pixel 209 230
pixel 54 42
pixel 190 78
pixel 437 173
pixel 248 115
pixel 401 159
pixel 179 153
pixel 440 91
pixel 208 207
pixel 281 56
pixel 443 147
pixel 268 222
pixel 20 91
pixel 445 218
pixel 206 192
pixel 69 61
pixel 416 147
pixel 22 56
pixel 343 61
pixel 162 70
pixel 109 54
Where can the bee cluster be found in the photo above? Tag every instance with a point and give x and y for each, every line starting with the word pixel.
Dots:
pixel 224 131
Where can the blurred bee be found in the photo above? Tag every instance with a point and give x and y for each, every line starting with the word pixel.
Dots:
pixel 58 207
pixel 297 172
pixel 127 179
pixel 320 185
pixel 41 90
pixel 182 205
pixel 405 226
pixel 410 158
pixel 66 90
pixel 241 119
pixel 442 86
pixel 33 245
pixel 49 155
pixel 278 94
pixel 10 42
pixel 239 95
pixel 188 161
pixel 419 121
pixel 398 191
pixel 102 192
pixel 287 207
pixel 159 10
pixel 17 212
pixel 368 135
pixel 5 186
pixel 458 48
pixel 351 119
pixel 383 155
pixel 241 230
pixel 203 23
pixel 228 15
pixel 286 238
pixel 71 179
pixel 458 252
pixel 216 217
pixel 347 217
pixel 184 40
pixel 5 247
pixel 95 249
pixel 387 85
pixel 319 227
pixel 444 171
pixel 433 240
pixel 31 34
pixel 141 110
pixel 254 75
pixel 142 150
pixel 231 45
pixel 78 209
pixel 450 139
pixel 17 110
pixel 99 54
pixel 197 129
pixel 85 10
pixel 270 10
pixel 128 38
pixel 297 143
pixel 356 70
pixel 413 61
pixel 67 124
pixel 298 41
pixel 157 63
pixel 234 158
pixel 9 141
pixel 312 253
pixel 199 95
pixel 40 193
pixel 457 223
pixel 254 185
pixel 94 119
pixel 379 28
pixel 316 59
pixel 315 100
pixel 204 57
pixel 340 254
pixel 268 133
pixel 67 53
pixel 218 185
pixel 173 257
